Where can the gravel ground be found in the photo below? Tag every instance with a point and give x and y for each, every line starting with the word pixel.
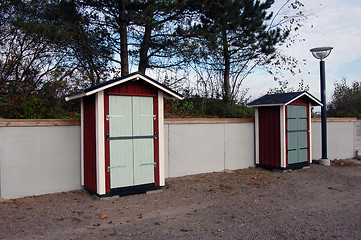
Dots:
pixel 315 203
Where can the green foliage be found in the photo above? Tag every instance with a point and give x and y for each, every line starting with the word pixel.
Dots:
pixel 283 88
pixel 346 100
pixel 39 104
pixel 195 106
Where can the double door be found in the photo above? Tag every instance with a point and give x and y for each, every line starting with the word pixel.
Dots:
pixel 297 134
pixel 131 140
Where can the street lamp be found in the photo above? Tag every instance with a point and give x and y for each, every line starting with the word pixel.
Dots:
pixel 321 53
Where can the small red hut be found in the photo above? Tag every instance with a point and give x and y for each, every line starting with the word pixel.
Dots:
pixel 283 130
pixel 122 135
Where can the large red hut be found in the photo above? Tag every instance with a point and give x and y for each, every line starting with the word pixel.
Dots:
pixel 122 135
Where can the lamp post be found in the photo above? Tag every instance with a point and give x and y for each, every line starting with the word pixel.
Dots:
pixel 321 53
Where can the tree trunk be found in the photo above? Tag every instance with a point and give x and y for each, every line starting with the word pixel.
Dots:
pixel 144 47
pixel 123 39
pixel 227 68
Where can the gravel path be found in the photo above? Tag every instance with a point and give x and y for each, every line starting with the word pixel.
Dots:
pixel 315 203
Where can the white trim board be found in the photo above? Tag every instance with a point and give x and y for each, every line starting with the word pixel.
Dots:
pixel 100 142
pixel 120 81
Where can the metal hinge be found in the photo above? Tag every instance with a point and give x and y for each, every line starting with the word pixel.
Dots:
pixel 153 116
pixel 114 116
pixel 109 167
pixel 146 164
pixel 108 138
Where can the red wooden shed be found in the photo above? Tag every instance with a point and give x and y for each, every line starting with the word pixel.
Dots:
pixel 122 132
pixel 283 130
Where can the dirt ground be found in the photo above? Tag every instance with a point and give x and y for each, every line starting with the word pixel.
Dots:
pixel 315 203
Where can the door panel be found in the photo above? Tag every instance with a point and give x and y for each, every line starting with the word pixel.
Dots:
pixel 143 116
pixel 292 147
pixel 297 134
pixel 143 161
pixel 121 163
pixel 120 116
pixel 143 148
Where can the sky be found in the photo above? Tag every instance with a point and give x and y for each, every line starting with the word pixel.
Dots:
pixel 334 23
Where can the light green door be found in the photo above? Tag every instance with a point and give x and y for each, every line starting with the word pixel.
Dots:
pixel 131 139
pixel 297 134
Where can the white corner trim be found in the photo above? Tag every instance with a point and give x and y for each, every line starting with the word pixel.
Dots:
pixel 160 87
pixel 75 96
pixel 256 135
pixel 283 136
pixel 161 138
pixel 82 142
pixel 100 142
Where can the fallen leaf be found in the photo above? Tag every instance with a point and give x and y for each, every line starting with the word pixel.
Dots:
pixel 255 178
pixel 184 230
pixel 103 216
pixel 77 219
pixel 16 201
pixel 112 222
pixel 219 222
pixel 86 234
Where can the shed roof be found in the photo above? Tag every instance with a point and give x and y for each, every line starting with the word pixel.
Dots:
pixel 108 84
pixel 283 99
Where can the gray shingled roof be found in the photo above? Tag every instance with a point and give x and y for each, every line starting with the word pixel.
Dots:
pixel 282 99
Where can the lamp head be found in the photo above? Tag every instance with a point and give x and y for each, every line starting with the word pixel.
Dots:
pixel 321 52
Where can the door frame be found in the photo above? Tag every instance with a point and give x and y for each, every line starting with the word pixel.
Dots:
pixel 107 145
pixel 308 132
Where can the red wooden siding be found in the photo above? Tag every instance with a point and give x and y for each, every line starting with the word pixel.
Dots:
pixel 134 88
pixel 300 101
pixel 89 129
pixel 269 136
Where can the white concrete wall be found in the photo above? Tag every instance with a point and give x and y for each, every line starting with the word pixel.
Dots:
pixel 39 160
pixel 201 148
pixel 341 140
